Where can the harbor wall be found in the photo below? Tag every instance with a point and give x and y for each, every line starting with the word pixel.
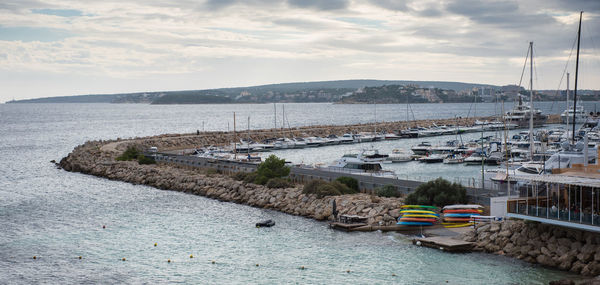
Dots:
pixel 218 138
pixel 90 159
pixel 553 246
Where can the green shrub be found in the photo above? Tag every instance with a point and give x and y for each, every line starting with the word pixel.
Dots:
pixel 279 183
pixel 239 176
pixel 388 191
pixel 342 188
pixel 272 167
pixel 250 177
pixel 327 190
pixel 438 192
pixel 130 153
pixel 142 159
pixel 350 182
pixel 311 186
pixel 210 171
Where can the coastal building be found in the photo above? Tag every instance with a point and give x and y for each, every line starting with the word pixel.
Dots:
pixel 569 197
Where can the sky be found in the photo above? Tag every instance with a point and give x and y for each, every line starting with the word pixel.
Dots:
pixel 72 47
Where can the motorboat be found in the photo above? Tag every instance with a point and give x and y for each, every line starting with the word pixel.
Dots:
pixel 453 159
pixel 398 156
pixel 474 159
pixel 356 165
pixel 433 158
pixel 372 155
pixel 314 142
pixel 422 148
pixel 299 143
pixel 391 136
pixel 346 139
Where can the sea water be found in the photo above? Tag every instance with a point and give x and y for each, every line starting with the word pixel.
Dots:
pixel 58 216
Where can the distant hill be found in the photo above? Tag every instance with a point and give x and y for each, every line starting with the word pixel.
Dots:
pixel 317 91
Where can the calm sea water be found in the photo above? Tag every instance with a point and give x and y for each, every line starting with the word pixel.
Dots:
pixel 58 216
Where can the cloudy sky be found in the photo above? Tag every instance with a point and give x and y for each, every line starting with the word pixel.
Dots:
pixel 68 47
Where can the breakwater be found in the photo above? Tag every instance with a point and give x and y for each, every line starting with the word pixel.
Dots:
pixel 202 139
pixel 567 249
pixel 90 159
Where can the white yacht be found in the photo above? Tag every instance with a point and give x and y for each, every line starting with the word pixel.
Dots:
pixel 521 113
pixel 398 156
pixel 580 115
pixel 346 139
pixel 422 148
pixel 355 165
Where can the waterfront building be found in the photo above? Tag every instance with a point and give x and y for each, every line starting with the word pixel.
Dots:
pixel 568 197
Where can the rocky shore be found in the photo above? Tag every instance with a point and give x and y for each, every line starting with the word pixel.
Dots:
pixel 90 159
pixel 567 249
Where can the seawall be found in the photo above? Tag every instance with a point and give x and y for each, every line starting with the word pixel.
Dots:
pixel 566 249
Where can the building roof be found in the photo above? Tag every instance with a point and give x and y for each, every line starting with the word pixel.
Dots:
pixel 560 179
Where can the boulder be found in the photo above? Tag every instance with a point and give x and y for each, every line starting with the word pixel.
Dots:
pixel 577 267
pixel 545 260
pixel 494 227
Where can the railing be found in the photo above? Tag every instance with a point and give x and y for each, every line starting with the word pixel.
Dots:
pixel 520 206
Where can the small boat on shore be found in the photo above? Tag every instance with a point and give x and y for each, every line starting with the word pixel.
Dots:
pixel 265 224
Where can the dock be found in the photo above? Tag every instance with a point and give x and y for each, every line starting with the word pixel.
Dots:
pixel 444 243
pixel 363 227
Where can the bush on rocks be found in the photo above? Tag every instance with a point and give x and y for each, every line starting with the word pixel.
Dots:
pixel 130 153
pixel 239 176
pixel 438 192
pixel 272 167
pixel 322 188
pixel 311 186
pixel 250 177
pixel 343 188
pixel 327 190
pixel 279 183
pixel 142 159
pixel 350 182
pixel 388 191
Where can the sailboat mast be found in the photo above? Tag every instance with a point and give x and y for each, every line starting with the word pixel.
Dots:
pixel 531 100
pixel 248 147
pixel 234 139
pixel 576 74
pixel 567 116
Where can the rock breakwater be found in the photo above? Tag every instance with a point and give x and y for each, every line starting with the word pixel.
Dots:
pixel 89 158
pixel 567 249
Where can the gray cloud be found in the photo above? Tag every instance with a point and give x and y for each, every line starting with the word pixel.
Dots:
pixel 320 4
pixel 395 5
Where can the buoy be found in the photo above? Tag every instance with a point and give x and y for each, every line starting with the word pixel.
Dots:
pixel 441 248
pixel 80 257
pixel 418 243
pixel 123 259
pixel 154 244
pixel 34 257
pixel 168 260
pixel 191 256
pixel 103 226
